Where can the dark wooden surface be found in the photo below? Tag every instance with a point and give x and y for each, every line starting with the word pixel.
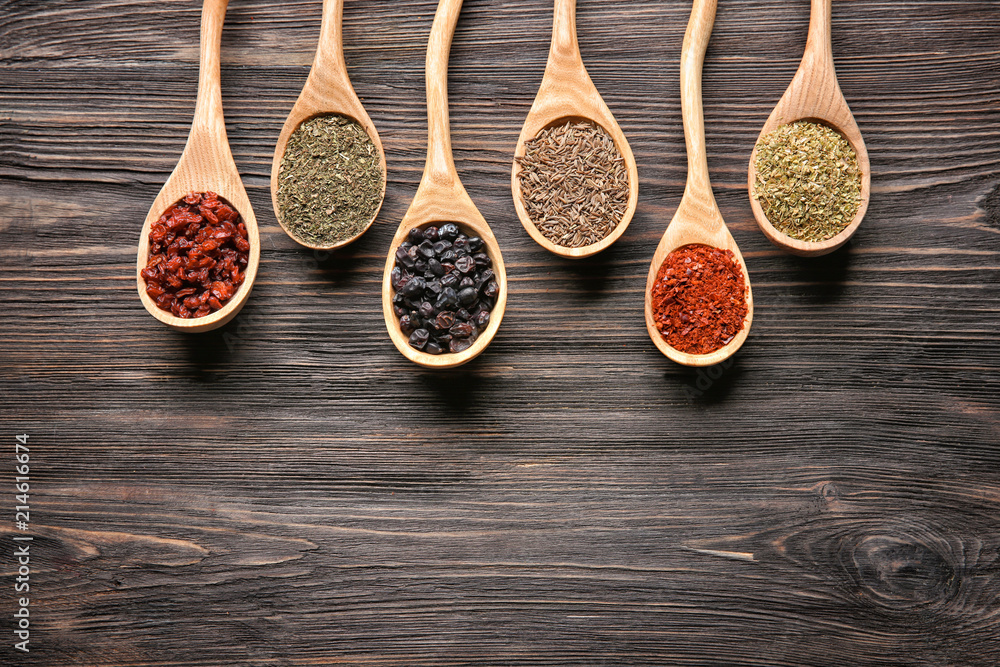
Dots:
pixel 290 490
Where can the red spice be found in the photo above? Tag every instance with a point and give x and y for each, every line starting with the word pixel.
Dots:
pixel 699 298
pixel 198 254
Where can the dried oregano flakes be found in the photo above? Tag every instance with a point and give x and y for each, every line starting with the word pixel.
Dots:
pixel 808 181
pixel 574 183
pixel 330 180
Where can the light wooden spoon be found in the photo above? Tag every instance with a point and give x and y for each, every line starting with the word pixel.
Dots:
pixel 698 219
pixel 206 165
pixel 814 95
pixel 327 90
pixel 441 198
pixel 567 93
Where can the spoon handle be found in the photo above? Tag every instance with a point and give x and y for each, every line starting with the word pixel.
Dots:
pixel 819 49
pixel 565 49
pixel 440 165
pixel 329 63
pixel 208 117
pixel 699 30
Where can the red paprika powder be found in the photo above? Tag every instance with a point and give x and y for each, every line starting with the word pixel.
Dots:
pixel 699 298
pixel 198 255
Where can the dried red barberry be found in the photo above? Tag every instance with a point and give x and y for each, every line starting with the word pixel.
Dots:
pixel 198 254
pixel 699 298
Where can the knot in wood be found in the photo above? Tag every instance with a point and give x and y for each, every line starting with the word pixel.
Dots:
pixel 828 492
pixel 901 571
pixel 991 206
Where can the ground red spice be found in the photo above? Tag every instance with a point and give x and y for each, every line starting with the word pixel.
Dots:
pixel 198 255
pixel 699 298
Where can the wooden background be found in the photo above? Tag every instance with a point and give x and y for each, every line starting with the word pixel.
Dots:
pixel 290 490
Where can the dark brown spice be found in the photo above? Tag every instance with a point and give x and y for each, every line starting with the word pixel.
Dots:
pixel 445 288
pixel 574 183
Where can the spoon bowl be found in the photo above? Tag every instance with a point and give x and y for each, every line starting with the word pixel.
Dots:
pixel 698 219
pixel 568 94
pixel 441 198
pixel 327 91
pixel 814 95
pixel 206 165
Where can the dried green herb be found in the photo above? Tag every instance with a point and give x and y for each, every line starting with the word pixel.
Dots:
pixel 330 180
pixel 574 184
pixel 808 181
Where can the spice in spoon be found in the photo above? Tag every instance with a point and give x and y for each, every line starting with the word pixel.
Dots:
pixel 445 288
pixel 699 298
pixel 808 181
pixel 198 255
pixel 330 180
pixel 574 183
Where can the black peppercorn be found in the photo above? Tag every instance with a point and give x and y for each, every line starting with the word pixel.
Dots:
pixel 447 299
pixel 445 319
pixel 467 296
pixel 413 287
pixel 419 338
pixel 445 288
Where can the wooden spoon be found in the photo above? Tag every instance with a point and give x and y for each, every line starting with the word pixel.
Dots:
pixel 566 94
pixel 814 95
pixel 327 90
pixel 206 165
pixel 441 198
pixel 698 219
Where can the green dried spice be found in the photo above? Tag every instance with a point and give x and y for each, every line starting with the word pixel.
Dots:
pixel 808 181
pixel 330 180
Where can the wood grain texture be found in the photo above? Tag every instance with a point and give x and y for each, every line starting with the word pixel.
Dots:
pixel 289 490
